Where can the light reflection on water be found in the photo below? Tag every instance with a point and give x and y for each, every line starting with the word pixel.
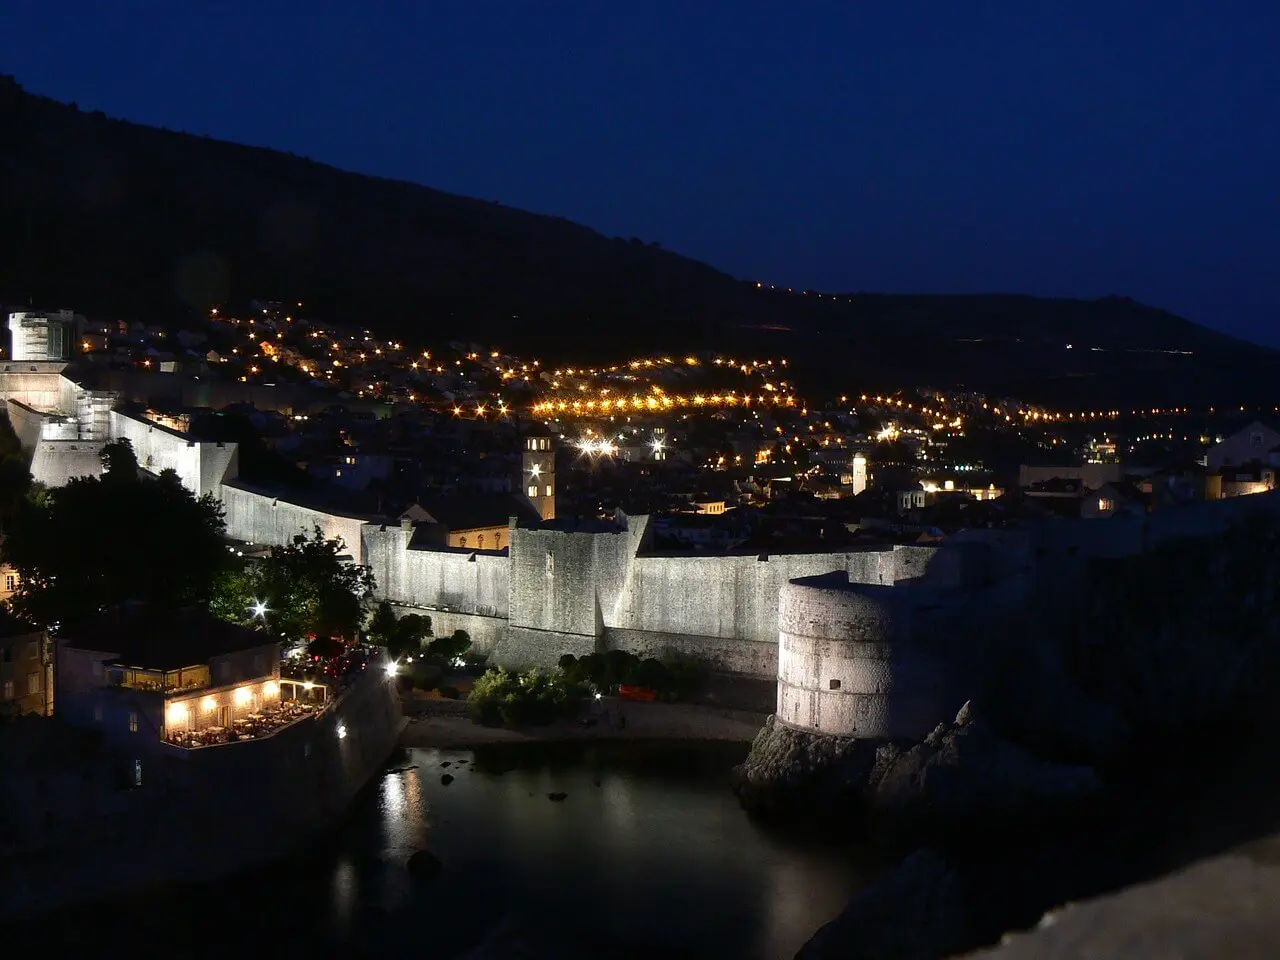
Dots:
pixel 648 855
pixel 664 858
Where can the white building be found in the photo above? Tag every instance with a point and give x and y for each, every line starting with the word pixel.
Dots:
pixel 42 336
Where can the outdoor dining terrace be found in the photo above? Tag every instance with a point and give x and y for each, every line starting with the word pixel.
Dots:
pixel 270 719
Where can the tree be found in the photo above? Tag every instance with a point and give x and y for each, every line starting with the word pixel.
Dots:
pixel 299 590
pixel 400 635
pixel 448 649
pixel 102 541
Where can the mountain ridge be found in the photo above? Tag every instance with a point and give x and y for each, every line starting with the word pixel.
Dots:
pixel 124 219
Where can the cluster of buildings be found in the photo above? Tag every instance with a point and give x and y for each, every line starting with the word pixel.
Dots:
pixel 649 525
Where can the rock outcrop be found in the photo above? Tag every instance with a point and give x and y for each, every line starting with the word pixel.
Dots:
pixel 915 912
pixel 964 774
pixel 790 771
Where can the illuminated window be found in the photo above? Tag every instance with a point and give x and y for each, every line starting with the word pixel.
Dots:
pixel 11 582
pixel 533 490
pixel 133 723
pixel 548 490
pixel 1106 505
pixel 8 690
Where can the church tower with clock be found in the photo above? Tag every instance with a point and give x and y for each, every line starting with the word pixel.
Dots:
pixel 538 470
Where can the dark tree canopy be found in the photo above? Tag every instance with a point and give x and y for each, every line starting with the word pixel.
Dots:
pixel 300 590
pixel 101 541
pixel 400 635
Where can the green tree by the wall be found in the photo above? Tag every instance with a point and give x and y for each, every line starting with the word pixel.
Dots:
pixel 302 589
pixel 400 635
pixel 124 536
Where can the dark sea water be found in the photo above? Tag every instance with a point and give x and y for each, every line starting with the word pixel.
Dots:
pixel 648 855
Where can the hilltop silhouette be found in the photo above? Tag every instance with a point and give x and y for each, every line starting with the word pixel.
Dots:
pixel 130 221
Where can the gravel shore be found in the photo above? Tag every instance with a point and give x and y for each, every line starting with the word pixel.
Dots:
pixel 439 726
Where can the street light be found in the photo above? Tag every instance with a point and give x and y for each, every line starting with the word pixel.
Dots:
pixel 259 609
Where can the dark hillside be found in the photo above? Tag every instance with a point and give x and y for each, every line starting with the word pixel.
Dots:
pixel 130 221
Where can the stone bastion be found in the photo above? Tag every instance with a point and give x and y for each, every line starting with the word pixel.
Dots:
pixel 847 665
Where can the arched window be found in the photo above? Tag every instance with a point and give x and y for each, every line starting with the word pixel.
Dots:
pixel 480 541
pixel 462 541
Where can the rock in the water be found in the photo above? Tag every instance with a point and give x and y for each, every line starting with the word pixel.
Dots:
pixel 916 912
pixel 793 771
pixel 960 776
pixel 424 866
pixel 445 763
pixel 557 797
pixel 447 779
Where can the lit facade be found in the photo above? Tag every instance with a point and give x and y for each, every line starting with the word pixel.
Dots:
pixel 140 685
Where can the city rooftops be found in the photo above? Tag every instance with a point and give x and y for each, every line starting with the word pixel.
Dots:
pixel 148 639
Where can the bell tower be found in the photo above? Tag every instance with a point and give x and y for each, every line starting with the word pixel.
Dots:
pixel 538 471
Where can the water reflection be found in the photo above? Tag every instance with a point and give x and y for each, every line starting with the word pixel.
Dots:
pixel 648 852
pixel 646 848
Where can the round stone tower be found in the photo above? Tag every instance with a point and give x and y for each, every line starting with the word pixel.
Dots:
pixel 846 663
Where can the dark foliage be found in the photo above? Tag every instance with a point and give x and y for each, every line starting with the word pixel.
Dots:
pixel 304 589
pixel 675 677
pixel 102 541
pixel 400 635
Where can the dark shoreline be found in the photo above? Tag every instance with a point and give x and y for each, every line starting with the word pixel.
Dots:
pixel 1214 794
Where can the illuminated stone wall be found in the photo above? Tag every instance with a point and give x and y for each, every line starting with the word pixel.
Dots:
pixel 203 467
pixel 466 581
pixel 37 383
pixel 847 664
pixel 258 517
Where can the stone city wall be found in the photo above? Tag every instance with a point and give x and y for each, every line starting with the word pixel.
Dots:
pixel 27 424
pixel 37 383
pixel 257 517
pixel 203 467
pixel 56 463
pixel 748 657
pixel 847 664
pixel 436 578
pixel 570 582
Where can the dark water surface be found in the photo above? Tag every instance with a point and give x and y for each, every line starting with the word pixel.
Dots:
pixel 649 855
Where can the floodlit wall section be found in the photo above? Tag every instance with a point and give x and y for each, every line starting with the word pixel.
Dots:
pixel 202 467
pixel 256 517
pixel 437 578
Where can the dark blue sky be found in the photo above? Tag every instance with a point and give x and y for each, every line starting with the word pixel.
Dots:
pixel 1072 148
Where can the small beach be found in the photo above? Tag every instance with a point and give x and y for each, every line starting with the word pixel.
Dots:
pixel 445 724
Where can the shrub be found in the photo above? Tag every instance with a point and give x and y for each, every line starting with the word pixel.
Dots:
pixel 449 692
pixel 533 698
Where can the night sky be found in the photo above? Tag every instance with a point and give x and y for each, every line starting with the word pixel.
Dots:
pixel 1074 148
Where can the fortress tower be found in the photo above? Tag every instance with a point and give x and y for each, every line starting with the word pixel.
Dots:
pixel 42 336
pixel 538 470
